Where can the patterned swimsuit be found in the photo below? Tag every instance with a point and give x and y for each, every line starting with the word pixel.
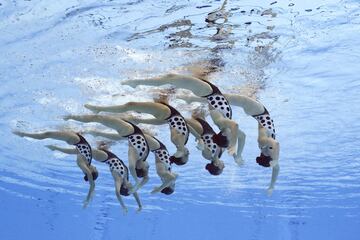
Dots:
pixel 176 121
pixel 207 135
pixel 138 141
pixel 163 155
pixel 266 121
pixel 84 148
pixel 217 100
pixel 116 165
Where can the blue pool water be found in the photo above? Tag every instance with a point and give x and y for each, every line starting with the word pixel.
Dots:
pixel 300 58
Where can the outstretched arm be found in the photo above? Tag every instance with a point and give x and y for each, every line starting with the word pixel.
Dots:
pixel 118 183
pixel 274 176
pixel 136 196
pixel 241 142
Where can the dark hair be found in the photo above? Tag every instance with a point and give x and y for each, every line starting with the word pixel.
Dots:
pixel 94 174
pixel 213 170
pixel 177 161
pixel 168 190
pixel 220 140
pixel 124 191
pixel 263 160
pixel 141 172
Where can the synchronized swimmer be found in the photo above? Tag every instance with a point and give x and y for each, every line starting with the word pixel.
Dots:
pixel 211 144
pixel 117 167
pixel 84 153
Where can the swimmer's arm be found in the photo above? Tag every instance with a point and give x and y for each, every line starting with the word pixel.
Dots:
pixel 112 136
pixel 232 133
pixel 274 176
pixel 190 99
pixel 62 149
pixel 136 196
pixel 194 133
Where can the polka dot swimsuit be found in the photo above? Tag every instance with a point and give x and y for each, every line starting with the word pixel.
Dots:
pixel 266 121
pixel 163 155
pixel 84 149
pixel 137 140
pixel 217 100
pixel 116 165
pixel 207 135
pixel 176 121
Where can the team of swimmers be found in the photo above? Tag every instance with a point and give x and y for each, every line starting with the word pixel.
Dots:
pixel 140 143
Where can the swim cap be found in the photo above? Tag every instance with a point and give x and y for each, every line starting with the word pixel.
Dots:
pixel 263 160
pixel 168 190
pixel 213 170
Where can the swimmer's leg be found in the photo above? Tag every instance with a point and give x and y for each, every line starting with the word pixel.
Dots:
pixel 136 196
pixel 274 175
pixel 86 169
pixel 197 86
pixel 190 99
pixel 159 111
pixel 69 137
pixel 112 136
pixel 122 127
pixel 241 142
pixel 169 177
pixel 118 183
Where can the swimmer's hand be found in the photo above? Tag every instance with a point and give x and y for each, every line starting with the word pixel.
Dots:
pixel 85 203
pixel 200 145
pixel 232 150
pixel 239 161
pixel 139 209
pixel 125 210
pixel 92 108
pixel 155 190
pixel 270 191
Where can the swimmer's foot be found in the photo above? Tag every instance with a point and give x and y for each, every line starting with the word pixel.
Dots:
pixel 92 108
pixel 18 133
pixel 130 83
